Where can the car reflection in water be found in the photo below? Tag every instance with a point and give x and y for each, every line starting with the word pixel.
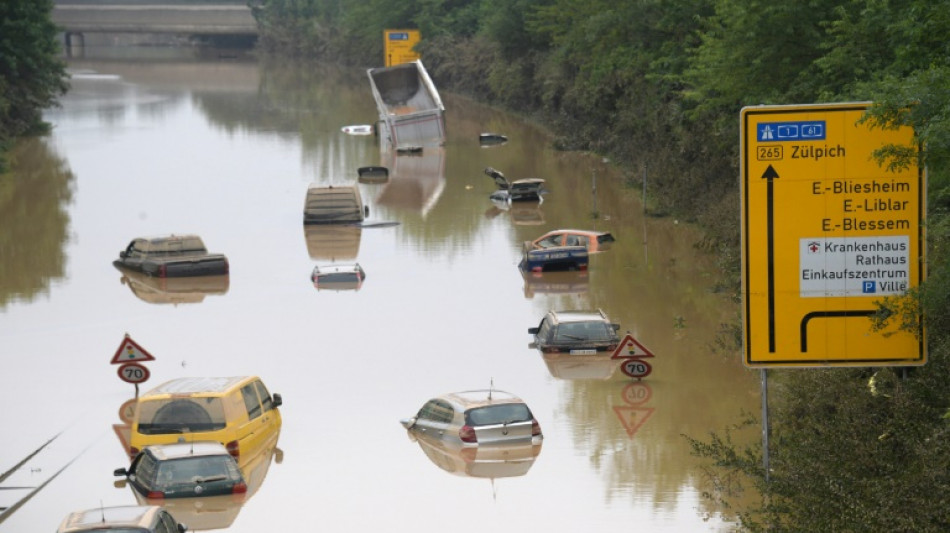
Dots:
pixel 181 290
pixel 521 213
pixel 486 462
pixel 576 282
pixel 333 242
pixel 571 366
pixel 216 512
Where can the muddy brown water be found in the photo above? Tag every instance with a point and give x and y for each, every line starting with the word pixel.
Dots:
pixel 226 148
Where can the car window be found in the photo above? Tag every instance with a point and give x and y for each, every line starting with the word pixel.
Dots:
pixel 505 413
pixel 553 240
pixel 582 240
pixel 180 415
pixel 184 471
pixel 167 522
pixel 574 331
pixel 544 330
pixel 251 402
pixel 135 250
pixel 573 240
pixel 145 468
pixel 266 400
pixel 437 411
pixel 571 331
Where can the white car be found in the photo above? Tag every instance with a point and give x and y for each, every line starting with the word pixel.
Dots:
pixel 338 277
pixel 475 418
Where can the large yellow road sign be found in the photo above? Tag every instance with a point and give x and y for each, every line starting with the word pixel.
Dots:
pixel 399 46
pixel 826 233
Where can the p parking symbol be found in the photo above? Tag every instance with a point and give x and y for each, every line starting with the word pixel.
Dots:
pixel 869 287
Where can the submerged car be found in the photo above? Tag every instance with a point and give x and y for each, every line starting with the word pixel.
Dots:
pixel 237 411
pixel 203 512
pixel 338 277
pixel 594 241
pixel 523 190
pixel 554 259
pixel 122 518
pixel 184 470
pixel 172 256
pixel 477 417
pixel 575 332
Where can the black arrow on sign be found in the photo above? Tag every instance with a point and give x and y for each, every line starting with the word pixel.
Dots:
pixel 770 174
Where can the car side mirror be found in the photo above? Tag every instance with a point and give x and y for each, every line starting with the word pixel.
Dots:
pixel 616 327
pixel 408 422
pixel 120 472
pixel 277 400
pixel 122 254
pixel 533 331
pixel 365 210
pixel 182 528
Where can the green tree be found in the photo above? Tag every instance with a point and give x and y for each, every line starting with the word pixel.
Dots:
pixel 32 76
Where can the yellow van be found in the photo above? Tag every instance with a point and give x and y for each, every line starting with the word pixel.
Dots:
pixel 238 412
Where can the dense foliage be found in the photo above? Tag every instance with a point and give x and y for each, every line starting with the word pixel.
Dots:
pixel 32 76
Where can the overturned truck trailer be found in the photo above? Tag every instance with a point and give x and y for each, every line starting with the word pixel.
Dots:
pixel 411 114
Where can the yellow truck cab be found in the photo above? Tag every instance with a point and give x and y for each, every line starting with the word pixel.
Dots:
pixel 238 412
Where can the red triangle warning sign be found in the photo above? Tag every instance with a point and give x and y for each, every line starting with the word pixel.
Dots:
pixel 128 351
pixel 630 347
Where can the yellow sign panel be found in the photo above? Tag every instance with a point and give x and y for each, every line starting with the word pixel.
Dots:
pixel 826 233
pixel 399 46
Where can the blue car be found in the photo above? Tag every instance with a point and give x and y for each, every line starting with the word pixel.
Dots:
pixel 554 259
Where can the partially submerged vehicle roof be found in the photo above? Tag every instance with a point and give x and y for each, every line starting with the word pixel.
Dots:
pixel 128 516
pixel 481 397
pixel 329 204
pixel 160 243
pixel 201 385
pixel 178 450
pixel 579 316
pixel 603 234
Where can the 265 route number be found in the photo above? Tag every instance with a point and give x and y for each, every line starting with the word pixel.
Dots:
pixel 133 373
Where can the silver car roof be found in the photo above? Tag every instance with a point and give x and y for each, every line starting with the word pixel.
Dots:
pixel 481 398
pixel 122 515
pixel 178 450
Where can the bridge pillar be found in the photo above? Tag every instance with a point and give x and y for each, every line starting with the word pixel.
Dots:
pixel 75 43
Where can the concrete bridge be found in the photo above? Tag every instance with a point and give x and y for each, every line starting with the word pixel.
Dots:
pixel 182 17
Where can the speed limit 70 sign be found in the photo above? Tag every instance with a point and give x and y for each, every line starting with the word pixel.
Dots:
pixel 133 373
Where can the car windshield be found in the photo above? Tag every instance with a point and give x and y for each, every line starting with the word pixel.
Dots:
pixel 192 470
pixel 504 413
pixel 339 277
pixel 177 415
pixel 583 331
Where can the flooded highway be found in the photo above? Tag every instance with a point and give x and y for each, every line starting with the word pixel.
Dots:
pixel 226 148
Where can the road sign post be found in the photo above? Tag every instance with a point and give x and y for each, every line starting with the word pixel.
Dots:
pixel 827 232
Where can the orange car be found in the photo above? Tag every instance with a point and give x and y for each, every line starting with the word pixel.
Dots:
pixel 595 241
